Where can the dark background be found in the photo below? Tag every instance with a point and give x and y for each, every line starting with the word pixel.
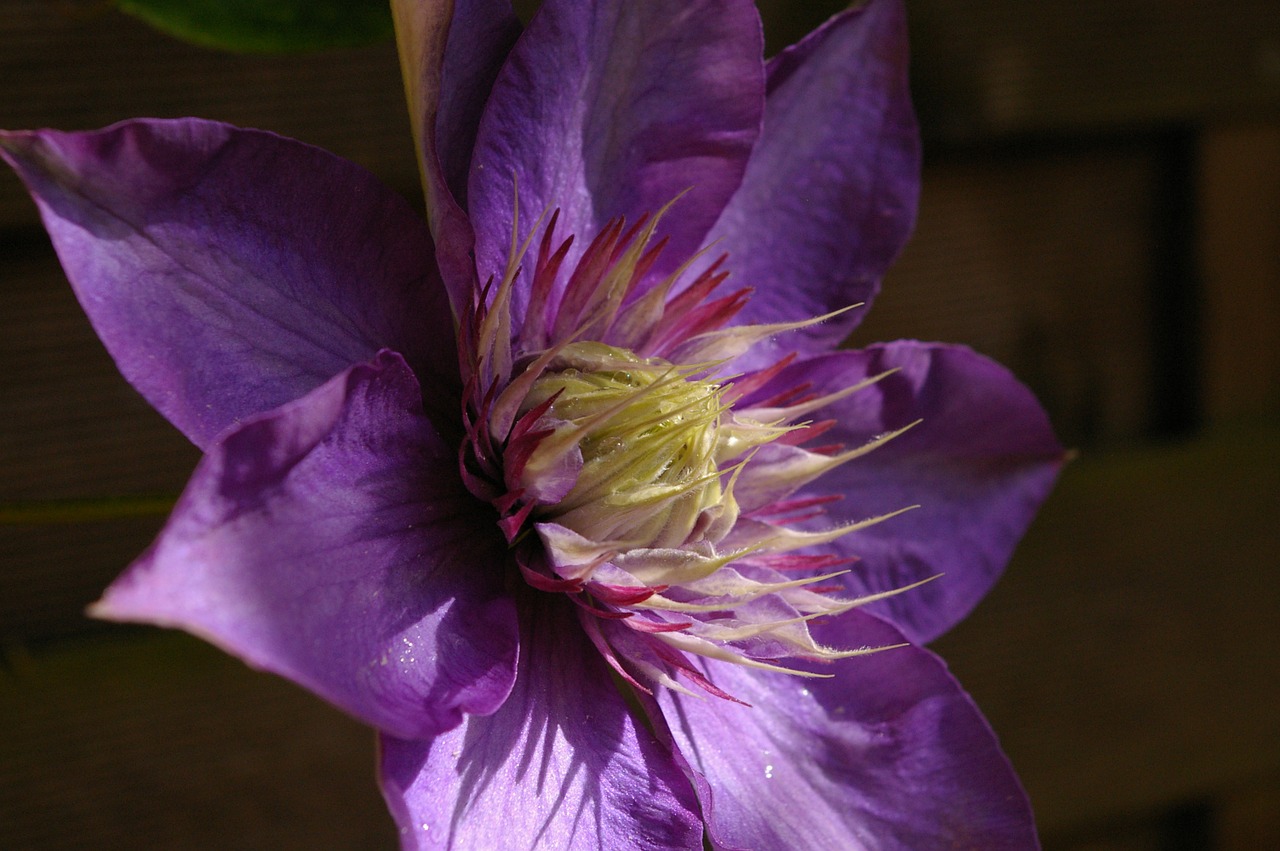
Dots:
pixel 1101 212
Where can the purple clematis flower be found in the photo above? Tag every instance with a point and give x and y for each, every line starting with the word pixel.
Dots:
pixel 566 491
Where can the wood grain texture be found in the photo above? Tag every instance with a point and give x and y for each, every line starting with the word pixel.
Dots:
pixel 1042 261
pixel 72 427
pixel 159 741
pixel 985 69
pixel 1249 816
pixel 1239 190
pixel 999 67
pixel 73 433
pixel 1130 659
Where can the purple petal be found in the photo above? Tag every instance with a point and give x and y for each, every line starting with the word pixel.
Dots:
pixel 889 754
pixel 613 108
pixel 829 196
pixel 330 542
pixel 563 763
pixel 229 271
pixel 480 37
pixel 450 54
pixel 979 465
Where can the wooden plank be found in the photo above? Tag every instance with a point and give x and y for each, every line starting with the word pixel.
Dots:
pixel 79 64
pixel 1248 817
pixel 73 428
pixel 52 571
pixel 1008 67
pixel 1175 826
pixel 1129 658
pixel 1240 252
pixel 74 434
pixel 1142 837
pixel 158 741
pixel 1043 262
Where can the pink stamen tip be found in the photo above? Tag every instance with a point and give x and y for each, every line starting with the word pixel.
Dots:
pixel 546 583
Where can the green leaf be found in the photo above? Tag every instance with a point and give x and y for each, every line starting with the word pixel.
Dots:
pixel 267 26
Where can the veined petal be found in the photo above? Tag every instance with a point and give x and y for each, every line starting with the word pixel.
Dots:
pixel 450 53
pixel 230 271
pixel 611 108
pixel 979 464
pixel 829 195
pixel 329 541
pixel 889 754
pixel 563 764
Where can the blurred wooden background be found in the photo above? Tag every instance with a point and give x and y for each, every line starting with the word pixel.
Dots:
pixel 1101 212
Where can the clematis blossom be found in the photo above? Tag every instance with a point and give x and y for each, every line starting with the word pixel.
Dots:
pixel 567 490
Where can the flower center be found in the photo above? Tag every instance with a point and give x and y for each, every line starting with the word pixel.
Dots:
pixel 644 435
pixel 636 473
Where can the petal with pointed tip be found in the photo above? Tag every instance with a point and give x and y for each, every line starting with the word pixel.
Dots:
pixel 328 541
pixel 229 271
pixel 979 465
pixel 829 195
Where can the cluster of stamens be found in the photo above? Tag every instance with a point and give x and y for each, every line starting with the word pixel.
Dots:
pixel 635 473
